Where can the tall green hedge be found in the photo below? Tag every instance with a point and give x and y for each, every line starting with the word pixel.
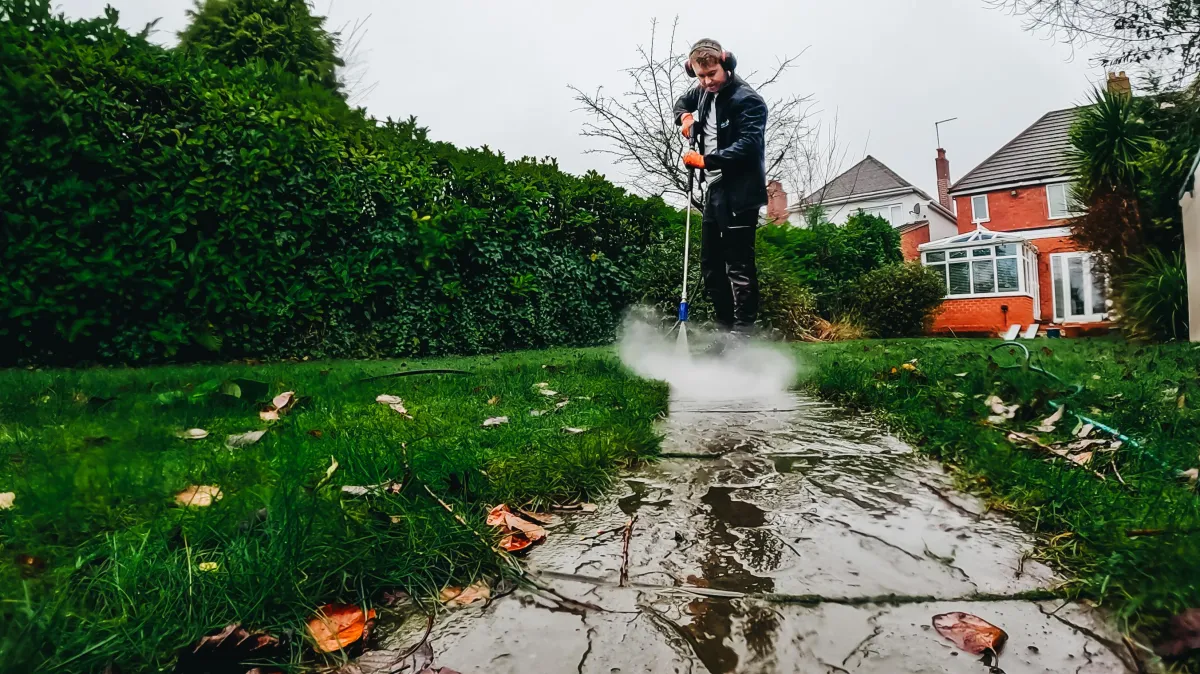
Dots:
pixel 156 205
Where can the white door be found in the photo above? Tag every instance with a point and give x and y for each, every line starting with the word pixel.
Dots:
pixel 1079 292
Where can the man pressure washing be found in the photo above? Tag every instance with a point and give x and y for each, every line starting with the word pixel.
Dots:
pixel 728 119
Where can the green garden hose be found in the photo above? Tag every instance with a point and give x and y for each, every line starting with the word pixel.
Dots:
pixel 1076 389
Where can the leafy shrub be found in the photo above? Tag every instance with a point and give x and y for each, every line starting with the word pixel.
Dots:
pixel 899 299
pixel 281 32
pixel 1153 296
pixel 158 205
pixel 828 259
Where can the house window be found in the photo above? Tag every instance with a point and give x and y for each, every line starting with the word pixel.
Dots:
pixel 979 208
pixel 1080 293
pixel 893 213
pixel 1058 196
pixel 979 270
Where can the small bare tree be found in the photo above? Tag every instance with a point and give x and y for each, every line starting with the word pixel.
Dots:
pixel 637 128
pixel 1161 35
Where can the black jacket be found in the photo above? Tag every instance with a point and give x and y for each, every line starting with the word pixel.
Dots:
pixel 740 154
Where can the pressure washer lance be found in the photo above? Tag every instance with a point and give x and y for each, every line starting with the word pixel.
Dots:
pixel 681 343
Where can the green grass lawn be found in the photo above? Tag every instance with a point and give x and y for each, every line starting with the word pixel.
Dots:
pixel 1149 393
pixel 100 565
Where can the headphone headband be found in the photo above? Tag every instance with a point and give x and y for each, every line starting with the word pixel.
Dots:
pixel 727 59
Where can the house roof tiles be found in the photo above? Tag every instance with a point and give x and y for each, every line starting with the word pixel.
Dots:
pixel 1037 154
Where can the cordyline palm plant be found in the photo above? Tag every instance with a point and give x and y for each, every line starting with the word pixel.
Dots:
pixel 1130 155
pixel 1108 142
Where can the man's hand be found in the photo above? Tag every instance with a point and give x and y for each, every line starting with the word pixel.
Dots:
pixel 694 160
pixel 687 121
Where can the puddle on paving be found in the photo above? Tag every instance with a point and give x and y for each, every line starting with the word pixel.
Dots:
pixel 809 499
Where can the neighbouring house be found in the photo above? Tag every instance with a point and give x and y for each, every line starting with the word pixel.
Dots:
pixel 1013 260
pixel 871 187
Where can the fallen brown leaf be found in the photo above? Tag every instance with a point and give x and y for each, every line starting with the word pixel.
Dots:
pixel 545 519
pixel 199 496
pixel 495 421
pixel 388 399
pixel 1048 424
pixel 193 434
pixel 338 625
pixel 1081 459
pixel 517 533
pixel 7 499
pixel 238 637
pixel 474 593
pixel 1183 634
pixel 494 400
pixel 244 439
pixel 970 633
pixel 316 434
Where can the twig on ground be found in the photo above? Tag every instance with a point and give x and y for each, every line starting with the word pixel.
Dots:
pixel 895 599
pixel 625 550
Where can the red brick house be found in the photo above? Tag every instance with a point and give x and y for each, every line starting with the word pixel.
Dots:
pixel 1014 261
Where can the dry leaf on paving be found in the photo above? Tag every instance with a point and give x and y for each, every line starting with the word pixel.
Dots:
pixel 475 593
pixel 545 519
pixel 517 532
pixel 199 496
pixel 970 633
pixel 1183 634
pixel 7 499
pixel 193 434
pixel 495 421
pixel 244 439
pixel 587 507
pixel 338 625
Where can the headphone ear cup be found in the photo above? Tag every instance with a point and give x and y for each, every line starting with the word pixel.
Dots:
pixel 730 61
pixel 687 68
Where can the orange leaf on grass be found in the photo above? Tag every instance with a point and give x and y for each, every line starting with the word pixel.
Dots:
pixel 518 532
pixel 199 496
pixel 338 625
pixel 970 633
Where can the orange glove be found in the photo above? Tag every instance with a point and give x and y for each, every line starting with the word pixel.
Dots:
pixel 687 121
pixel 693 159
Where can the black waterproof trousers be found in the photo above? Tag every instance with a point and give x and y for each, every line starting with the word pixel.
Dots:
pixel 727 262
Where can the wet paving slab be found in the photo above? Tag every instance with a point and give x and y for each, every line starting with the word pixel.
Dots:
pixel 771 503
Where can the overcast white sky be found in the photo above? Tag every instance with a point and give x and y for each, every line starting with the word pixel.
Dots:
pixel 496 72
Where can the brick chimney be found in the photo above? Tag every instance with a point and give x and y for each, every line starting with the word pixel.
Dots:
pixel 943 179
pixel 1118 84
pixel 777 203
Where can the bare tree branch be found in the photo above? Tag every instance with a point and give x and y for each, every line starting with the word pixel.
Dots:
pixel 637 128
pixel 1162 36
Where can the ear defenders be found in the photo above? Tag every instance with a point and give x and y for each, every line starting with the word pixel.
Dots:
pixel 728 62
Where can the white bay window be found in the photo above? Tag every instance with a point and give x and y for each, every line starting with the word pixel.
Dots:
pixel 983 264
